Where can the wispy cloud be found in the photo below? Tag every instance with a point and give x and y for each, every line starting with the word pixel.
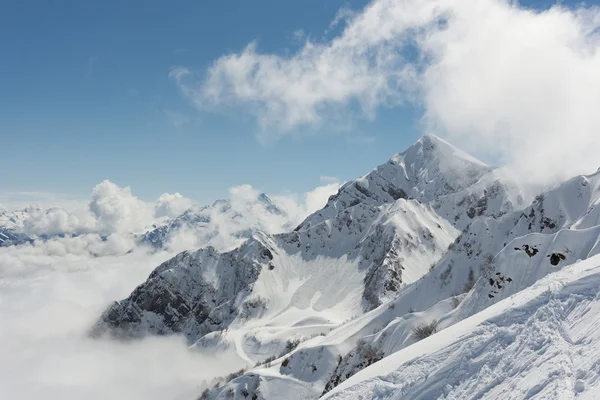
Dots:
pixel 329 179
pixel 298 35
pixel 495 77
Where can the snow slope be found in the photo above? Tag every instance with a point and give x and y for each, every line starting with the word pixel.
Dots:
pixel 542 342
pixel 457 185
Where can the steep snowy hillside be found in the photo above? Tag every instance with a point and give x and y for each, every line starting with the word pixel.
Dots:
pixel 220 225
pixel 322 364
pixel 334 270
pixel 494 257
pixel 572 205
pixel 542 342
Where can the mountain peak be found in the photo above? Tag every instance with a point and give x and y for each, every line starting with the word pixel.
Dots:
pixel 428 169
pixel 432 147
pixel 269 205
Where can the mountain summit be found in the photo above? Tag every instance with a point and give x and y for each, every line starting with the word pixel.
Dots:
pixel 427 170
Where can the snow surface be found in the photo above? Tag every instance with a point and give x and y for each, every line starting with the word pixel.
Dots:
pixel 542 342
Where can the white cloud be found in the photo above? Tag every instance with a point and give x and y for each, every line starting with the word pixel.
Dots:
pixel 49 301
pixel 248 211
pixel 117 209
pixel 171 205
pixel 114 214
pixel 495 77
pixel 299 206
pixel 111 210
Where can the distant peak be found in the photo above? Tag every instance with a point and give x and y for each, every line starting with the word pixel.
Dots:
pixel 269 204
pixel 264 198
pixel 220 203
pixel 430 145
pixel 430 137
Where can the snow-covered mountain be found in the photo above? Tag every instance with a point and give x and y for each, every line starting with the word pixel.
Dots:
pixel 348 264
pixel 431 239
pixel 11 225
pixel 224 225
pixel 208 224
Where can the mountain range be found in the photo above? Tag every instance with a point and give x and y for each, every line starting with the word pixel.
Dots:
pixel 224 225
pixel 207 224
pixel 432 276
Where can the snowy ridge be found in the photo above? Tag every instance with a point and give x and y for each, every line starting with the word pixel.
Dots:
pixel 541 343
pixel 425 171
pixel 351 263
pixel 207 222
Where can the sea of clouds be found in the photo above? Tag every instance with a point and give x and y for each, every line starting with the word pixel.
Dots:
pixel 53 290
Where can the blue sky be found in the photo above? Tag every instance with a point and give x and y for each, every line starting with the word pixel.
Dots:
pixel 86 96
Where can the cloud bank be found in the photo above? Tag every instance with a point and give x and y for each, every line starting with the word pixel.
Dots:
pixel 115 217
pixel 247 211
pixel 508 82
pixel 48 301
pixel 53 290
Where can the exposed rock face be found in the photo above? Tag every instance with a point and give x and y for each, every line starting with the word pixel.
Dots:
pixel 193 293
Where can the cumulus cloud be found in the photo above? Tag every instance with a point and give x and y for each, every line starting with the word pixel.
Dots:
pixel 56 220
pixel 117 209
pixel 115 217
pixel 299 206
pixel 171 205
pixel 505 81
pixel 49 300
pixel 228 223
pixel 112 211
